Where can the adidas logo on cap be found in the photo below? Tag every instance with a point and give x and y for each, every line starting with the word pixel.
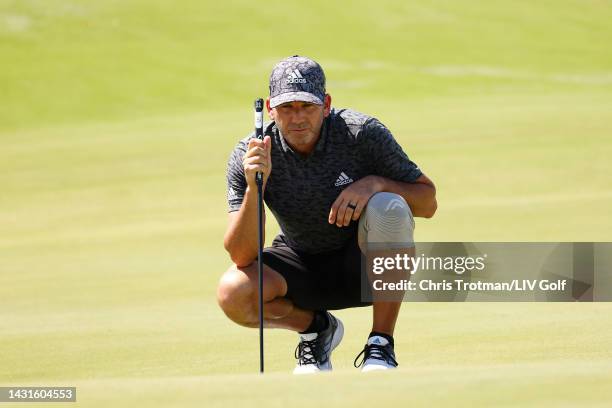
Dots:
pixel 343 179
pixel 296 77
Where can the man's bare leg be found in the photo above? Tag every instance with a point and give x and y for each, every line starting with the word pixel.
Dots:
pixel 320 332
pixel 386 222
pixel 385 313
pixel 384 316
pixel 281 313
pixel 238 296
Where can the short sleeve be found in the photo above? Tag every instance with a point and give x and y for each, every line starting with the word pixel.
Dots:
pixel 236 181
pixel 388 158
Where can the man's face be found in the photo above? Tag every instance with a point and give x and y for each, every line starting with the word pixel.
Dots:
pixel 300 122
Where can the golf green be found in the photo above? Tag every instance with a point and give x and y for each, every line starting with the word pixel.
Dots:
pixel 116 123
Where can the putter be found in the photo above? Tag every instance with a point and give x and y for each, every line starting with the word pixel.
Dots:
pixel 259 181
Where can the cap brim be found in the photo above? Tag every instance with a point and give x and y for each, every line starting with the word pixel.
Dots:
pixel 293 97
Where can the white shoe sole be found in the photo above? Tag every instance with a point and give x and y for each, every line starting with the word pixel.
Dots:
pixel 376 367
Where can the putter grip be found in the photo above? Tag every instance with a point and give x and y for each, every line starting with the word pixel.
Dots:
pixel 259 129
pixel 259 118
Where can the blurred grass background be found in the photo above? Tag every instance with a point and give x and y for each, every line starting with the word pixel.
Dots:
pixel 116 122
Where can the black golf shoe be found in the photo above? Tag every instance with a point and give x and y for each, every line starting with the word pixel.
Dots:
pixel 313 353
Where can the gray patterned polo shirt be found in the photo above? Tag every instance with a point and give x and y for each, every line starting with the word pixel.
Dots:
pixel 301 190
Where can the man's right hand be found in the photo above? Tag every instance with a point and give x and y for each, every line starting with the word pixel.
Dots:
pixel 258 158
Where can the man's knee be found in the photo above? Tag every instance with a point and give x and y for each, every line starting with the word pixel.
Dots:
pixel 237 296
pixel 389 208
pixel 386 219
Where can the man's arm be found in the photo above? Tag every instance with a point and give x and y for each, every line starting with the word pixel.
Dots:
pixel 241 240
pixel 241 236
pixel 392 171
pixel 420 196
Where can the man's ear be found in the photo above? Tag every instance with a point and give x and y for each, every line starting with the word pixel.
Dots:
pixel 326 105
pixel 269 109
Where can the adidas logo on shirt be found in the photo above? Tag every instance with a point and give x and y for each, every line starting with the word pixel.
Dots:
pixel 296 78
pixel 232 194
pixel 343 179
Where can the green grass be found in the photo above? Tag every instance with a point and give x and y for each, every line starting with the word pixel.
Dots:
pixel 116 122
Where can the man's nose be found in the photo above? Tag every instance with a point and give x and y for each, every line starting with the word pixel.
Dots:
pixel 298 115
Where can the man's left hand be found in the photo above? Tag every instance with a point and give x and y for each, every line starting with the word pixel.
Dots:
pixel 352 200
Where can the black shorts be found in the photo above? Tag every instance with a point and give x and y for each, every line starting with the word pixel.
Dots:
pixel 325 281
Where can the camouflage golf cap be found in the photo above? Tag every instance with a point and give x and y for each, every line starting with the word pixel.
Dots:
pixel 297 79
